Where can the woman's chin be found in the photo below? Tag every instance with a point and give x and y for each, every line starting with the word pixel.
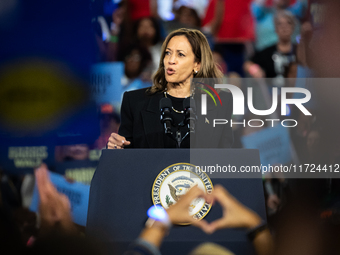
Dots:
pixel 171 79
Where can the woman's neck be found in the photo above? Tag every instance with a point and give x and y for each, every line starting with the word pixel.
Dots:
pixel 178 90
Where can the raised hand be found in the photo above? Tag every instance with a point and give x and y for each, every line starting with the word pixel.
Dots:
pixel 179 212
pixel 235 215
pixel 54 207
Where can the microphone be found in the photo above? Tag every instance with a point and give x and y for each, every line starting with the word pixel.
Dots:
pixel 166 117
pixel 189 106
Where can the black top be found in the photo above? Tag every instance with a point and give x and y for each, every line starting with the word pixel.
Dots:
pixel 273 62
pixel 178 118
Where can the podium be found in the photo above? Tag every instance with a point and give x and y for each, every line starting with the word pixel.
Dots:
pixel 120 196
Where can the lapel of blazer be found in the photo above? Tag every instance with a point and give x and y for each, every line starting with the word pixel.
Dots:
pixel 151 122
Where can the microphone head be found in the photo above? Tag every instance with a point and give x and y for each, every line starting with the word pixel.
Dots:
pixel 165 103
pixel 189 102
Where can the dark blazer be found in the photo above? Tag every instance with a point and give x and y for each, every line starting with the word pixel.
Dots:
pixel 141 125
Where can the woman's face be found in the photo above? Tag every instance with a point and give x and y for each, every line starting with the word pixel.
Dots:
pixel 284 28
pixel 179 60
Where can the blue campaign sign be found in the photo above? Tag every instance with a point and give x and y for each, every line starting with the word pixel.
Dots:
pixel 273 144
pixel 106 82
pixel 21 158
pixel 77 193
pixel 77 170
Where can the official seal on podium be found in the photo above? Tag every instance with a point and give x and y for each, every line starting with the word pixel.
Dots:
pixel 175 180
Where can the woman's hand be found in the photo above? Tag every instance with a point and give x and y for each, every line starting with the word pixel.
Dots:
pixel 117 142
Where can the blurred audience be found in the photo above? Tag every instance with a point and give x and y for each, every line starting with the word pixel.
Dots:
pixel 313 143
pixel 58 234
pixel 76 152
pixel 109 122
pixel 138 67
pixel 218 59
pixel 188 17
pixel 142 8
pixel 72 152
pixel 107 30
pixel 55 213
pixel 273 62
pixel 264 16
pixel 235 215
pixel 231 24
pixel 148 35
pixel 185 15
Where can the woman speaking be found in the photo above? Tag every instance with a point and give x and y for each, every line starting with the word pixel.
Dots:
pixel 185 55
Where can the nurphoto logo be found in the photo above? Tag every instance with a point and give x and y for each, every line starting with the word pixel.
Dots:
pixel 239 104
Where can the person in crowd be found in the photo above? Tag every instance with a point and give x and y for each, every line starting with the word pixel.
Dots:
pixel 188 17
pixel 119 16
pixel 185 55
pixel 273 61
pixel 107 30
pixel 138 67
pixel 220 62
pixel 147 33
pixel 264 16
pixel 232 77
pixel 57 232
pixel 185 16
pixel 232 25
pixel 75 152
pixel 109 122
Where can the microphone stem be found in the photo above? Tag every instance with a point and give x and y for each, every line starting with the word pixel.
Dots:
pixel 178 138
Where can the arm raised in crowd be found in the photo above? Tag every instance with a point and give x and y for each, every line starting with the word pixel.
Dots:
pixel 55 214
pixel 178 213
pixel 54 207
pixel 235 215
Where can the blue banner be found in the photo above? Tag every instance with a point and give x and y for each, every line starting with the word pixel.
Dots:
pixel 273 144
